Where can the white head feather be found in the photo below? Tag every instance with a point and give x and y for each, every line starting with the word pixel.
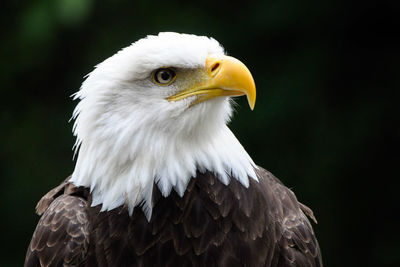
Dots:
pixel 130 137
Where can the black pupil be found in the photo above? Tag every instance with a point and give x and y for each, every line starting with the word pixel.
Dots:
pixel 165 75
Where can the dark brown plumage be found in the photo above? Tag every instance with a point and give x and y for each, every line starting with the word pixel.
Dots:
pixel 211 225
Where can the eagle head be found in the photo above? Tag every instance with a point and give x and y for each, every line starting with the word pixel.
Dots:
pixel 155 113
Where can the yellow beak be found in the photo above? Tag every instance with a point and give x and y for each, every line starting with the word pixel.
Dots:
pixel 226 76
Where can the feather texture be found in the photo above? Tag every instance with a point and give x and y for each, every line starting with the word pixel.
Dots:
pixel 213 224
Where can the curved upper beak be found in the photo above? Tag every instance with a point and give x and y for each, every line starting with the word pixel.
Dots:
pixel 226 76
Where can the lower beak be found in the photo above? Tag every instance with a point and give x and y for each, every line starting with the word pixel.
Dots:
pixel 226 76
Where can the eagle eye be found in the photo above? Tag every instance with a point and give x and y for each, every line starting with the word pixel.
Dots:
pixel 164 76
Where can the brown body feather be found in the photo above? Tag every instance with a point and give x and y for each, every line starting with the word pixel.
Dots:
pixel 211 225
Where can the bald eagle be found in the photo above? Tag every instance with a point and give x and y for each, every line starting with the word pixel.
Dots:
pixel 160 180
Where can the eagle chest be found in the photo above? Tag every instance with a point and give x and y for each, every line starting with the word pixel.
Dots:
pixel 211 225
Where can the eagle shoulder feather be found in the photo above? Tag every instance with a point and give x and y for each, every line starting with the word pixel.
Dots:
pixel 62 234
pixel 296 241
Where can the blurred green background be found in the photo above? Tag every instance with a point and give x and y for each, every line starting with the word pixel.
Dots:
pixel 325 120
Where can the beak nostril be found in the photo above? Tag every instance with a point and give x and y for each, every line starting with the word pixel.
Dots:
pixel 215 66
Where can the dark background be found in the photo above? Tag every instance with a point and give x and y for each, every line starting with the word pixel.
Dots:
pixel 325 120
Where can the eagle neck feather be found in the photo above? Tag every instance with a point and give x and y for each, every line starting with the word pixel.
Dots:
pixel 129 180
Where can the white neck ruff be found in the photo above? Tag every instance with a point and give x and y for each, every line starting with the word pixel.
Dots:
pixel 117 176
